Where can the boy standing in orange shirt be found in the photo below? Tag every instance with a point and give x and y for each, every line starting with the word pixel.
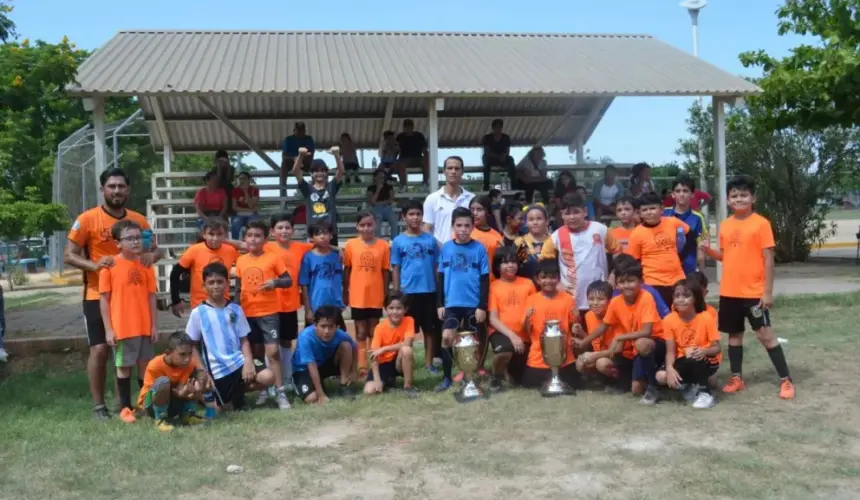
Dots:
pixel 391 350
pixel 508 296
pixel 211 249
pixel 258 274
pixel 128 310
pixel 625 210
pixel 550 304
pixel 366 271
pixel 746 291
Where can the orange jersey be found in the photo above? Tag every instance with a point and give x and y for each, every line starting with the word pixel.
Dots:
pixel 592 323
pixel 491 240
pixel 367 263
pixel 508 300
pixel 385 335
pixel 199 256
pixel 628 318
pixel 701 332
pixel 657 249
pixel 253 271
pixel 130 285
pixel 158 368
pixel 622 236
pixel 91 231
pixel 713 312
pixel 561 308
pixel 742 242
pixel 288 298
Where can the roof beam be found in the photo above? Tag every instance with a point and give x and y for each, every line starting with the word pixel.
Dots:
pixel 590 124
pixel 161 125
pixel 548 136
pixel 474 115
pixel 247 140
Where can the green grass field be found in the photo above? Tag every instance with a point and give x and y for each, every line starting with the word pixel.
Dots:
pixel 32 301
pixel 514 445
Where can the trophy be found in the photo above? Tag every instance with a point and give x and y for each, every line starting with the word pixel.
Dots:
pixel 466 354
pixel 554 355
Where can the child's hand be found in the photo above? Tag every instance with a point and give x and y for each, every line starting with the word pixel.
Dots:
pixel 267 286
pixel 673 379
pixel 323 399
pixel 375 353
pixel 518 344
pixel 579 343
pixel 104 262
pixel 480 315
pixel 183 391
pixel 335 150
pixel 249 374
pixel 110 337
pixel 614 347
pixel 704 243
pixel 441 313
pixel 377 387
pixel 178 309
pixel 697 354
pixel 766 301
pixel 577 331
pixel 153 337
pixel 303 152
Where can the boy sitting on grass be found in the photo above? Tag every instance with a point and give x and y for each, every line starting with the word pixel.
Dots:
pixel 600 359
pixel 173 385
pixel 391 349
pixel 323 350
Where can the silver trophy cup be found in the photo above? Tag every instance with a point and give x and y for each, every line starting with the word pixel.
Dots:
pixel 466 355
pixel 554 355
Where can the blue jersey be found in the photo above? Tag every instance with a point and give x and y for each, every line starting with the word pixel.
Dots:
pixel 416 256
pixel 312 349
pixel 462 265
pixel 323 275
pixel 698 231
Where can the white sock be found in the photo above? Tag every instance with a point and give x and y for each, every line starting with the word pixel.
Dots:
pixel 287 365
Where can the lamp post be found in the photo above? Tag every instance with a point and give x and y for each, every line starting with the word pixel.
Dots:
pixel 693 7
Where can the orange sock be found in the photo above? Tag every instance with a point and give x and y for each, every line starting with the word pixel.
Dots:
pixel 362 354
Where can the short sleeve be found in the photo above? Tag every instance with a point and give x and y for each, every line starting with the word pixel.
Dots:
pixel 394 252
pixel 333 187
pixel 152 281
pixel 304 188
pixel 409 325
pixel 704 234
pixel 668 328
pixel 347 255
pixel 548 250
pixel 648 312
pixel 304 271
pixel 376 342
pixel 192 329
pixel 79 234
pixel 612 245
pixel 611 316
pixel 634 245
pixel 280 266
pixel 765 235
pixel 429 210
pixel 711 332
pixel 243 328
pixel 104 280
pixel 485 141
pixel 342 336
pixel 386 257
pixel 423 141
pixel 304 350
pixel 494 301
pixel 198 197
pixel 284 145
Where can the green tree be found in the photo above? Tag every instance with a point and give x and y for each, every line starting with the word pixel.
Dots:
pixel 28 217
pixel 7 26
pixel 817 85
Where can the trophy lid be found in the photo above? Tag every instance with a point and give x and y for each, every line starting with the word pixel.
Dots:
pixel 466 339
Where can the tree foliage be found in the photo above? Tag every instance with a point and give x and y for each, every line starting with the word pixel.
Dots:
pixel 818 84
pixel 7 26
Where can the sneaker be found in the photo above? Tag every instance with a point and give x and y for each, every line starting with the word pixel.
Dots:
pixel 283 402
pixel 127 416
pixel 704 401
pixel 459 377
pixel 411 392
pixel 736 384
pixel 444 385
pixel 163 425
pixel 650 397
pixel 432 370
pixel 496 385
pixel 262 398
pixel 690 392
pixel 786 389
pixel 4 356
pixel 345 391
pixel 101 413
pixel 193 419
pixel 289 387
pixel 437 362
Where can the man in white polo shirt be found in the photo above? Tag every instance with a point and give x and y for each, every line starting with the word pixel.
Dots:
pixel 439 205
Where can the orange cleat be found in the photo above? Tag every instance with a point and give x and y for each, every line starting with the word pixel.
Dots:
pixel 127 416
pixel 736 384
pixel 786 389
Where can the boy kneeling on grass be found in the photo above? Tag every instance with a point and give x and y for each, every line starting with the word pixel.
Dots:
pixel 323 350
pixel 173 385
pixel 600 359
pixel 391 349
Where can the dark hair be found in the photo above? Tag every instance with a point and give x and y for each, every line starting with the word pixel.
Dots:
pixel 652 198
pixel 411 204
pixel 539 208
pixel 114 172
pixel 637 203
pixel 741 183
pixel 284 217
pixel 684 180
pixel 213 223
pixel 177 340
pixel 571 200
pixel 123 225
pixel 408 121
pixel 608 168
pixel 503 255
pixel 497 121
pixel 692 286
pixel 623 259
pixel 388 133
pixel 319 227
pixel 318 164
pixel 365 213
pixel 346 136
pixel 494 192
pixel 487 205
pixel 209 175
pixel 396 296
pixel 604 288
pixel 221 154
pixel 628 269
pixel 626 199
pixel 327 312
pixel 548 267
pixel 244 173
pixel 215 269
pixel 258 224
pixel 638 168
pixel 700 278
pixel 457 158
pixel 560 190
pixel 460 213
pixel 510 210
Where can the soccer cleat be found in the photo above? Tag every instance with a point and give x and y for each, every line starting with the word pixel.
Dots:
pixel 283 402
pixel 345 392
pixel 786 389
pixel 444 385
pixel 650 397
pixel 163 425
pixel 262 398
pixel 411 392
pixel 704 401
pixel 736 384
pixel 689 391
pixel 496 385
pixel 432 370
pixel 127 416
pixel 193 419
pixel 101 414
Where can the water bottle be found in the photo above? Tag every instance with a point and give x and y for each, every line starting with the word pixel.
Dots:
pixel 680 240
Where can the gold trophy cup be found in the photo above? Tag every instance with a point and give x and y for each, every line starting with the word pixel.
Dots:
pixel 466 355
pixel 554 355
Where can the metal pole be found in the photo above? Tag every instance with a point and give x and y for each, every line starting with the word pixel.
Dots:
pixel 720 165
pixel 703 178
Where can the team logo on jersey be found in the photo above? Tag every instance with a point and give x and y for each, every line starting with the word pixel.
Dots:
pixel 253 277
pixel 663 241
pixel 76 225
pixel 596 239
pixel 366 262
pixel 135 277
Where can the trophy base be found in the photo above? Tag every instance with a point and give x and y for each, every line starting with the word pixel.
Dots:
pixel 470 392
pixel 556 387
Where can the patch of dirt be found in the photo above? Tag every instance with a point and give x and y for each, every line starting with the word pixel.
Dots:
pixel 330 434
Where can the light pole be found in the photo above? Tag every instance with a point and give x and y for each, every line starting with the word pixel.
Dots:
pixel 693 7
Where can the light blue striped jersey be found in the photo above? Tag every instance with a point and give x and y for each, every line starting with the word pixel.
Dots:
pixel 219 330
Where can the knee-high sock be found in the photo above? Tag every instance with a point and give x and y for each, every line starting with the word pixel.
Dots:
pixel 736 358
pixel 124 387
pixel 287 365
pixel 777 357
pixel 362 354
pixel 447 355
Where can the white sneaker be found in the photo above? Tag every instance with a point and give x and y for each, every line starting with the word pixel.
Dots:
pixel 690 391
pixel 704 401
pixel 283 402
pixel 4 356
pixel 262 398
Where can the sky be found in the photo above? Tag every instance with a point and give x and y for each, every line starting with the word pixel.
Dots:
pixel 633 130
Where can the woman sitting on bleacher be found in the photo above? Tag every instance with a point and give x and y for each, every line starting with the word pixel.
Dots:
pixel 246 199
pixel 210 200
pixel 531 172
pixel 380 195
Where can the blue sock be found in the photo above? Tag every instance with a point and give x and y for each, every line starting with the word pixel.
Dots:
pixel 209 398
pixel 447 355
pixel 160 412
pixel 649 368
pixel 189 407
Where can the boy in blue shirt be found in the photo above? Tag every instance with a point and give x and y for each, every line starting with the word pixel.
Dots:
pixel 323 350
pixel 463 288
pixel 413 262
pixel 321 274
pixel 692 258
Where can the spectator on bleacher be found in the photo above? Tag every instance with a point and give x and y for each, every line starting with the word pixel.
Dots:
pixel 350 158
pixel 440 205
pixel 389 149
pixel 413 153
pixel 210 200
pixel 607 192
pixel 246 199
pixel 320 195
pixel 589 204
pixel 640 180
pixel 225 174
pixel 531 172
pixel 565 183
pixel 380 195
pixel 497 152
pixel 290 152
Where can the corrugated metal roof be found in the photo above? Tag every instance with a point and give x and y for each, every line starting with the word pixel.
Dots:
pixel 356 63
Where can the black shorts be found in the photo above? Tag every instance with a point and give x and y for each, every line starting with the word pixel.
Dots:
pixel 94 324
pixel 500 344
pixel 364 314
pixel 302 380
pixel 289 326
pixel 264 329
pixel 388 372
pixel 733 311
pixel 630 369
pixel 351 165
pixel 460 318
pixel 659 352
pixel 535 378
pixel 422 308
pixel 667 293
